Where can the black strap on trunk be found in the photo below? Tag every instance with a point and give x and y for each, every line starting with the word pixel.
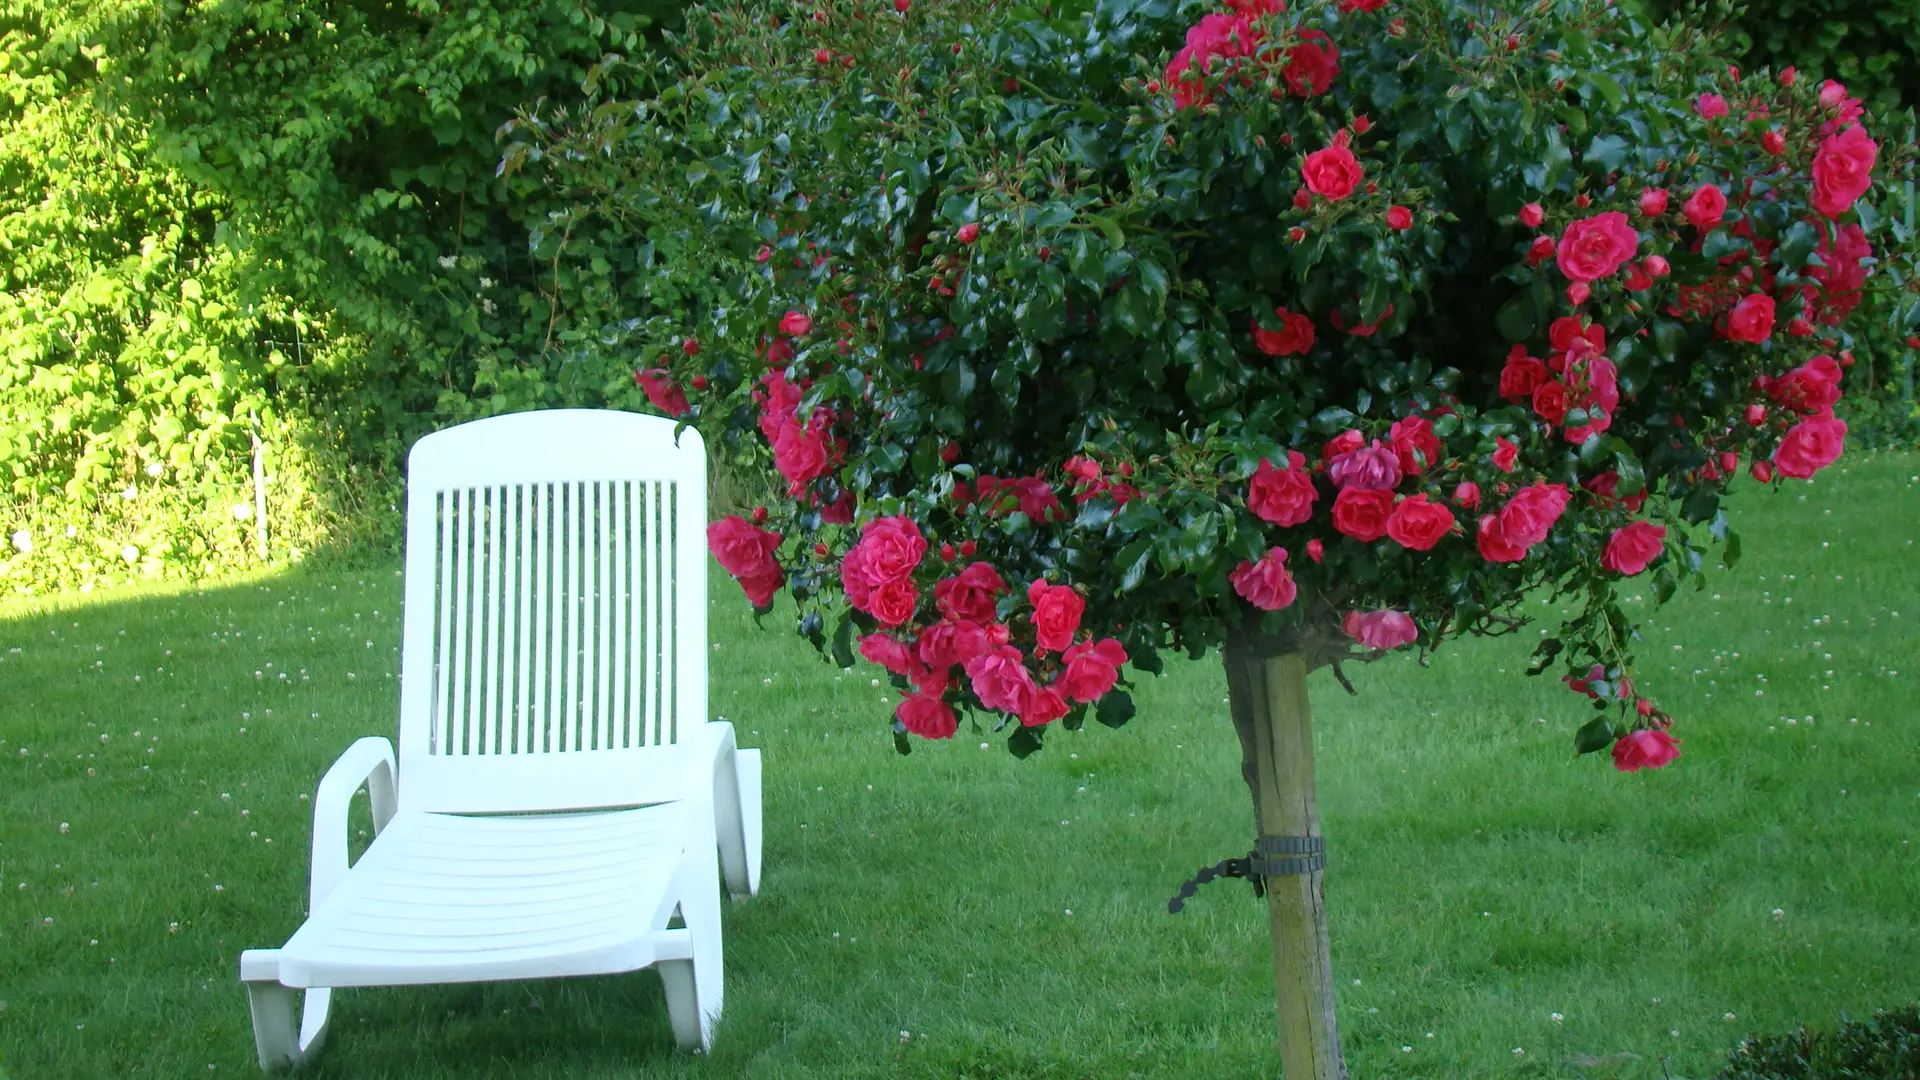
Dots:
pixel 1256 867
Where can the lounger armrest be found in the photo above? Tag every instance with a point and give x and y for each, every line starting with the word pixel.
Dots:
pixel 715 788
pixel 368 761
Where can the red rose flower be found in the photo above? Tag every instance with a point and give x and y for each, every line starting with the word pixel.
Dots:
pixel 887 651
pixel 1283 497
pixel 1541 250
pixel 1522 376
pixel 665 394
pixel 1467 496
pixel 1705 207
pixel 1647 749
pixel 1630 549
pixel 740 547
pixel 1495 545
pixel 1710 106
pixel 1186 78
pixel 893 548
pixel 893 602
pixel 1056 615
pixel 950 641
pixel 1091 669
pixel 1809 389
pixel 1001 680
pixel 970 595
pixel 796 324
pixel 1810 445
pixel 1399 217
pixel 1362 514
pixel 1751 320
pixel 1413 439
pixel 1605 489
pixel 1419 524
pixel 1351 6
pixel 1332 172
pixel 1843 171
pixel 1294 336
pixel 927 715
pixel 1550 402
pixel 1043 708
pixel 1593 248
pixel 799 453
pixel 1653 202
pixel 1344 443
pixel 1506 454
pixel 762 584
pixel 1266 584
pixel 1312 64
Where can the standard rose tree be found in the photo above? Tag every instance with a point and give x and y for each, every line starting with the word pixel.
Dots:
pixel 1308 332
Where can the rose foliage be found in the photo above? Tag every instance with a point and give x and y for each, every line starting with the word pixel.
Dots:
pixel 1085 333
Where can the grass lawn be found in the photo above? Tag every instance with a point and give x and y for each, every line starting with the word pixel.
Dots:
pixel 1497 906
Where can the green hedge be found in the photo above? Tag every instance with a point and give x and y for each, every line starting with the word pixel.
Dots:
pixel 1886 1047
pixel 282 219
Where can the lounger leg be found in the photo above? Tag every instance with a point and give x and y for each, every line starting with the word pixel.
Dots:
pixel 278 1043
pixel 683 1003
pixel 740 818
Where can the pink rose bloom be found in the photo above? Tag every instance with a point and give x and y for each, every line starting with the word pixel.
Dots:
pixel 1506 454
pixel 1266 584
pixel 1705 207
pixel 1653 202
pixel 1648 749
pixel 799 453
pixel 1383 629
pixel 1344 443
pixel 1593 248
pixel 1370 468
pixel 1810 389
pixel 1843 171
pixel 1630 549
pixel 1001 680
pixel 1418 523
pixel 1362 514
pixel 1710 106
pixel 1751 320
pixel 1312 64
pixel 778 400
pixel 1495 545
pixel 1531 513
pixel 1056 615
pixel 893 548
pixel 762 584
pixel 796 324
pixel 1810 445
pixel 893 602
pixel 1332 172
pixel 1221 35
pixel 887 651
pixel 927 716
pixel 1282 497
pixel 1467 496
pixel 1091 669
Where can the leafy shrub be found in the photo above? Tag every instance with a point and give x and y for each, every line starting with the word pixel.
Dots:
pixel 1886 1047
pixel 283 219
pixel 1340 326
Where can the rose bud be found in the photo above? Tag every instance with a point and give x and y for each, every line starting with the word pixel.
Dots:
pixel 1656 266
pixel 1756 415
pixel 1773 142
pixel 1762 471
pixel 946 553
pixel 967 548
pixel 1532 214
pixel 1730 461
pixel 759 513
pixel 1789 76
pixel 699 382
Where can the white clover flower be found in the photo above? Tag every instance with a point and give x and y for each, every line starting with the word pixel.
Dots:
pixel 446 262
pixel 22 541
pixel 242 511
pixel 72 532
pixel 130 493
pixel 155 468
pixel 130 553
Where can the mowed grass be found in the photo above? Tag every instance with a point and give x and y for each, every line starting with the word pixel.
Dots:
pixel 959 913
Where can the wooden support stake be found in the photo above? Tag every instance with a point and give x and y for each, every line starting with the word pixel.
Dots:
pixel 1268 693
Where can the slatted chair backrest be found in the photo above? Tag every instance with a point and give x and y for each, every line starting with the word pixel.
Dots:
pixel 555 632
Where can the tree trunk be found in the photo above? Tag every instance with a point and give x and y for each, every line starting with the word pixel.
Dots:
pixel 1267 686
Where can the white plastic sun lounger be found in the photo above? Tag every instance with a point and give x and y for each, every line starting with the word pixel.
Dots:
pixel 560 795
